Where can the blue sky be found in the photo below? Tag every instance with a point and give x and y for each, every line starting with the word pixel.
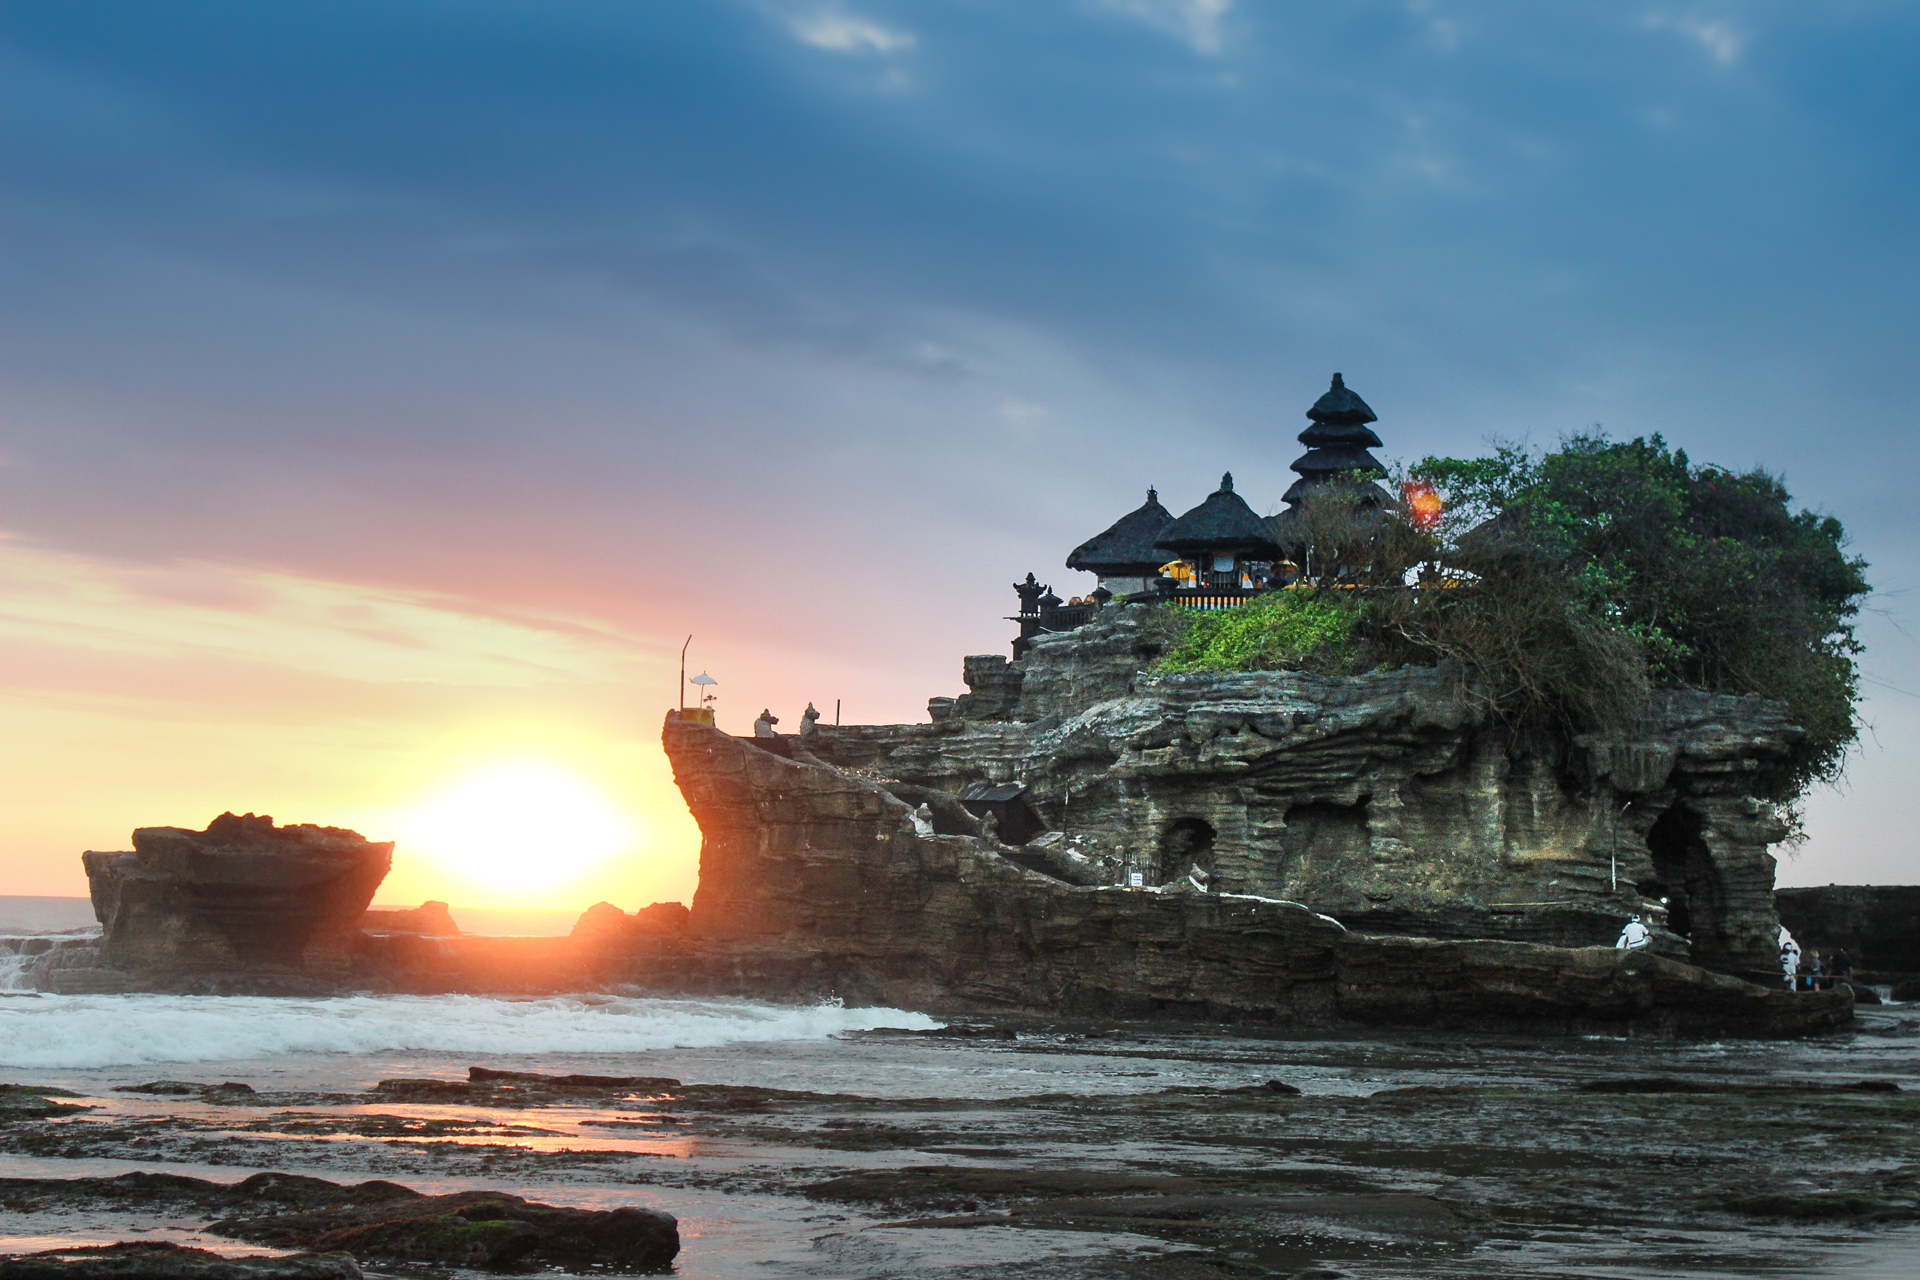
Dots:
pixel 807 328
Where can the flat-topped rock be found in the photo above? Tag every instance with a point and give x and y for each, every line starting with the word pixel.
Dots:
pixel 242 900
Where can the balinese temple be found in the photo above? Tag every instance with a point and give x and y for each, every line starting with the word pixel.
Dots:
pixel 1336 460
pixel 1126 557
pixel 1223 548
pixel 1224 542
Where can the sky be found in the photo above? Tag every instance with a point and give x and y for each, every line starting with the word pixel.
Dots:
pixel 389 389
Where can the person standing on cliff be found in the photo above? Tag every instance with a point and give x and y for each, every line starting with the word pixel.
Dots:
pixel 1635 937
pixel 1842 965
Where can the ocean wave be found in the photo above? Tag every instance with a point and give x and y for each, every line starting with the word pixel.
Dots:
pixel 128 1030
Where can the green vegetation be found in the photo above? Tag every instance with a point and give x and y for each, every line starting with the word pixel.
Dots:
pixel 1704 578
pixel 1574 581
pixel 1303 630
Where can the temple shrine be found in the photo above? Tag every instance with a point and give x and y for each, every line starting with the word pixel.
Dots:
pixel 1222 552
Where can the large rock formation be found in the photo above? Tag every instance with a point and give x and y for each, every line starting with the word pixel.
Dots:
pixel 1879 925
pixel 832 878
pixel 1391 801
pixel 243 902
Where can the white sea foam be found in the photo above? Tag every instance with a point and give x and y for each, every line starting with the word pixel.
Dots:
pixel 13 968
pixel 128 1030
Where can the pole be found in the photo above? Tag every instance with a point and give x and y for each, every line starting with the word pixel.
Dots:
pixel 1613 853
pixel 683 672
pixel 836 713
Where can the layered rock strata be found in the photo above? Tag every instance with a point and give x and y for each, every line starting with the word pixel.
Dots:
pixel 825 874
pixel 243 901
pixel 1392 801
pixel 1878 925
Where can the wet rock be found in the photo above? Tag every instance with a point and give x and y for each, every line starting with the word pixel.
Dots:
pixel 605 922
pixel 377 1221
pixel 241 906
pixel 162 1260
pixel 429 919
pixel 34 1102
pixel 1671 1084
pixel 488 1075
pixel 474 1229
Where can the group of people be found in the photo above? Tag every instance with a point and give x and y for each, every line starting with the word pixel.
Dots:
pixel 1807 972
pixel 1803 973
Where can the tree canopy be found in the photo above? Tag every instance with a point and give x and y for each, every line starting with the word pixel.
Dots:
pixel 1715 579
pixel 1572 581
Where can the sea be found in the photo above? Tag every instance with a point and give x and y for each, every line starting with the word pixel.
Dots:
pixel 731 1224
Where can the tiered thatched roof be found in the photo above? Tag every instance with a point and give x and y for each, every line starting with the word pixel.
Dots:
pixel 1337 442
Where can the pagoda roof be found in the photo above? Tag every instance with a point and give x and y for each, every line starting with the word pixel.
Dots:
pixel 1336 458
pixel 1337 444
pixel 1128 547
pixel 1224 522
pixel 1363 492
pixel 1339 407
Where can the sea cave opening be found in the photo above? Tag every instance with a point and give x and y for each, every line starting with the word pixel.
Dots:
pixel 1186 843
pixel 1682 867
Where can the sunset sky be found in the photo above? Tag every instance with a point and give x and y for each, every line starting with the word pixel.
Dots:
pixel 388 389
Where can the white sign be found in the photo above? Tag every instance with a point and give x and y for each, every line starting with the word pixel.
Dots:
pixel 1136 879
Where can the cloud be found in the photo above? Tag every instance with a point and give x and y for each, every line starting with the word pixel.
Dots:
pixel 194 610
pixel 838 31
pixel 1194 22
pixel 1719 39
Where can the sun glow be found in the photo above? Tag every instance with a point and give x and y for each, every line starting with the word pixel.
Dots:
pixel 518 824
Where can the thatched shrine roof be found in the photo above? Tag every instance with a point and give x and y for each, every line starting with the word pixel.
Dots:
pixel 1128 549
pixel 1223 523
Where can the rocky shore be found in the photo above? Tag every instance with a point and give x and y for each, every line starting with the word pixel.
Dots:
pixel 1141 1150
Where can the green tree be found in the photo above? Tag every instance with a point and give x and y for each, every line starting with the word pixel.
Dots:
pixel 1714 576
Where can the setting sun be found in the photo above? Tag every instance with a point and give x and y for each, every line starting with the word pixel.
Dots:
pixel 518 824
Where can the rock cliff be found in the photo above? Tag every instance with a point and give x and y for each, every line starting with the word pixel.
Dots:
pixel 1879 925
pixel 1390 801
pixel 825 875
pixel 242 902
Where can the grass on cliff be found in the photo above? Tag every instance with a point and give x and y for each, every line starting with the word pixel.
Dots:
pixel 1296 630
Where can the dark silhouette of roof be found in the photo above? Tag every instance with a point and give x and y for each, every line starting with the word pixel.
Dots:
pixel 1337 443
pixel 1341 408
pixel 1126 549
pixel 1224 522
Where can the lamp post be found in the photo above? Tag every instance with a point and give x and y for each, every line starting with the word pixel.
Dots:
pixel 683 672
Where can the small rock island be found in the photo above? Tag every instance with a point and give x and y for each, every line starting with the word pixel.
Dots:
pixel 1330 766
